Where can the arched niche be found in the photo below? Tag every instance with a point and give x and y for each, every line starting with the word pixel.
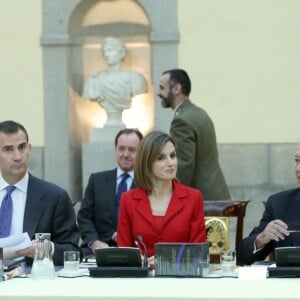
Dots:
pixel 71 39
pixel 88 26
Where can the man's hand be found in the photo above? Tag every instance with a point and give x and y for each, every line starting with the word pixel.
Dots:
pixel 114 237
pixel 28 252
pixel 276 230
pixel 98 244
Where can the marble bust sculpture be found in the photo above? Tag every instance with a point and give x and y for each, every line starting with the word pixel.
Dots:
pixel 114 88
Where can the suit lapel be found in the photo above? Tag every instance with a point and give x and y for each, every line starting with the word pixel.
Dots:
pixel 35 206
pixel 176 204
pixel 175 207
pixel 143 206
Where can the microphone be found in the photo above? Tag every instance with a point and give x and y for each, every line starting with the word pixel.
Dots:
pixel 140 240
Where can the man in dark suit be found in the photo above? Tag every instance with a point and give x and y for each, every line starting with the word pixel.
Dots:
pixel 280 218
pixel 97 217
pixel 37 206
pixel 194 134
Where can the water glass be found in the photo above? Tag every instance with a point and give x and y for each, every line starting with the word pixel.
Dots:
pixel 204 266
pixel 71 261
pixel 228 262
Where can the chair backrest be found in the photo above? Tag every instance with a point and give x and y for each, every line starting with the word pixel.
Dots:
pixel 227 208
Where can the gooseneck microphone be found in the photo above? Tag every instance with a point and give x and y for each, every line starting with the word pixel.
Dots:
pixel 140 240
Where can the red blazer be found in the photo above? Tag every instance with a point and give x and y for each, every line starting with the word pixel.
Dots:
pixel 183 222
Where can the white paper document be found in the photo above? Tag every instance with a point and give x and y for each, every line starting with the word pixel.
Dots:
pixel 13 243
pixel 253 272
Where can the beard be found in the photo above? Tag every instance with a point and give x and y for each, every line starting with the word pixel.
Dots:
pixel 166 102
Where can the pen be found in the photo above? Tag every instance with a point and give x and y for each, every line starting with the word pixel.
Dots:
pixel 292 231
pixel 16 272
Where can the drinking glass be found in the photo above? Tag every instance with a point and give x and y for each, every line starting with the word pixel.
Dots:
pixel 228 262
pixel 71 261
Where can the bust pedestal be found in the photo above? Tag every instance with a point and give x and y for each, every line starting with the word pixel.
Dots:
pixel 114 119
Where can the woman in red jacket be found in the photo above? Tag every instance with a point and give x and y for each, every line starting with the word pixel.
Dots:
pixel 161 209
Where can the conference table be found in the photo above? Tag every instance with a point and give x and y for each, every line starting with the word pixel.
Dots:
pixel 150 288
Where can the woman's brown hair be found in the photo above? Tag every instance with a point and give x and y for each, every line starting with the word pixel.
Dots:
pixel 148 151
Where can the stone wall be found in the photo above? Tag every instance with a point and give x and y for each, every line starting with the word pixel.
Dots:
pixel 255 171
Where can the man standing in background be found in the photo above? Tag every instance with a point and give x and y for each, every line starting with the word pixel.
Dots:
pixel 195 138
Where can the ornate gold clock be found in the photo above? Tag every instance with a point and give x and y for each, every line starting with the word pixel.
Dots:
pixel 217 232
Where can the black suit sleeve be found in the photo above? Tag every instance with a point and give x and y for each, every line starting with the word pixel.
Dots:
pixel 246 248
pixel 65 232
pixel 49 209
pixel 86 215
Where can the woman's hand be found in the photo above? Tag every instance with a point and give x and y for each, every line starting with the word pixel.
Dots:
pixel 151 262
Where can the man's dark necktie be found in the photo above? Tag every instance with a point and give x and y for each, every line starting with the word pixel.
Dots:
pixel 6 212
pixel 122 187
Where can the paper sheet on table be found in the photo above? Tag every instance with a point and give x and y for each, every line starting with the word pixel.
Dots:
pixel 13 243
pixel 253 272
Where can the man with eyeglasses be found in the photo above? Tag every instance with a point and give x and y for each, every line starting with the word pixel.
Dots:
pixel 279 226
pixel 98 215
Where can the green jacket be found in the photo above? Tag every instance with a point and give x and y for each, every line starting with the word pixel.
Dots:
pixel 198 164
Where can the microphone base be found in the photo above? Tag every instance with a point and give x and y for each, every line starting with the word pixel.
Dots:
pixel 119 272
